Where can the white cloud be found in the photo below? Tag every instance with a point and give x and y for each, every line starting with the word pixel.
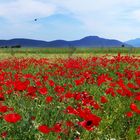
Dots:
pixel 107 18
pixel 19 17
pixel 111 18
pixel 135 15
pixel 20 10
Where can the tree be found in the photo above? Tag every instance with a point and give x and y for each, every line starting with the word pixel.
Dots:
pixel 16 46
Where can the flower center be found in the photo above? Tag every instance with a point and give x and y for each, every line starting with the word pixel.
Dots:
pixel 89 123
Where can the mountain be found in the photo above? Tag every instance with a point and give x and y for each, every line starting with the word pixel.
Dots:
pixel 89 41
pixel 95 41
pixel 134 42
pixel 23 42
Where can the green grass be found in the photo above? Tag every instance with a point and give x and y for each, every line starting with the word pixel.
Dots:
pixel 68 50
pixel 65 52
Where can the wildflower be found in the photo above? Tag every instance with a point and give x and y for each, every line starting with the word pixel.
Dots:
pixel 138 130
pixel 44 129
pixel 88 125
pixel 51 83
pixel 3 109
pixel 12 118
pixel 133 107
pixel 69 123
pixel 20 86
pixel 43 91
pixel 129 114
pixel 4 134
pixel 137 98
pixel 49 99
pixel 45 78
pixel 59 89
pixel 103 78
pixel 56 128
pixel 103 99
pixel 79 81
pixel 2 97
pixel 70 110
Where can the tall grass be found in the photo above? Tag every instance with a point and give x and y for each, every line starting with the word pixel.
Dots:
pixel 68 50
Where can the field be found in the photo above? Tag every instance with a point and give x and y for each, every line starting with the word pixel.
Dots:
pixel 65 52
pixel 67 94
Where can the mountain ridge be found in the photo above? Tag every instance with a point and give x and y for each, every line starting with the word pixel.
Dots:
pixel 134 42
pixel 88 41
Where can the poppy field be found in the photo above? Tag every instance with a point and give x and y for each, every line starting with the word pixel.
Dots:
pixel 75 98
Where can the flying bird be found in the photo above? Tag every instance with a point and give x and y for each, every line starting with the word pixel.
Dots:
pixel 35 19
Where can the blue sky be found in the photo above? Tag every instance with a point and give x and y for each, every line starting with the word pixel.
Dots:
pixel 69 19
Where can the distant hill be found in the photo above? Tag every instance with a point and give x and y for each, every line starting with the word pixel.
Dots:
pixel 134 42
pixel 96 41
pixel 23 42
pixel 89 41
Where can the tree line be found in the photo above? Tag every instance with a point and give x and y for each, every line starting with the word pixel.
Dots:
pixel 14 46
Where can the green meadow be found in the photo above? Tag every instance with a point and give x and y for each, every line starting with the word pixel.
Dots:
pixel 65 52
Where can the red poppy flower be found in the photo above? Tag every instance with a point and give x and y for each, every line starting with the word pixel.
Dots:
pixel 44 129
pixel 43 91
pixel 31 89
pixel 88 125
pixel 12 118
pixel 45 78
pixel 20 86
pixel 133 107
pixel 68 95
pixel 4 134
pixel 102 78
pixel 70 110
pixel 69 123
pixel 51 83
pixel 77 96
pixel 138 81
pixel 137 98
pixel 129 114
pixel 3 109
pixel 95 105
pixel 138 130
pixel 59 89
pixel 103 99
pixel 79 81
pixel 131 85
pixel 110 91
pixel 11 109
pixel 90 120
pixel 31 92
pixel 49 99
pixel 56 128
pixel 38 83
pixel 2 97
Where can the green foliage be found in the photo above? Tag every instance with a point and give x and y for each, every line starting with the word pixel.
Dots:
pixel 71 50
